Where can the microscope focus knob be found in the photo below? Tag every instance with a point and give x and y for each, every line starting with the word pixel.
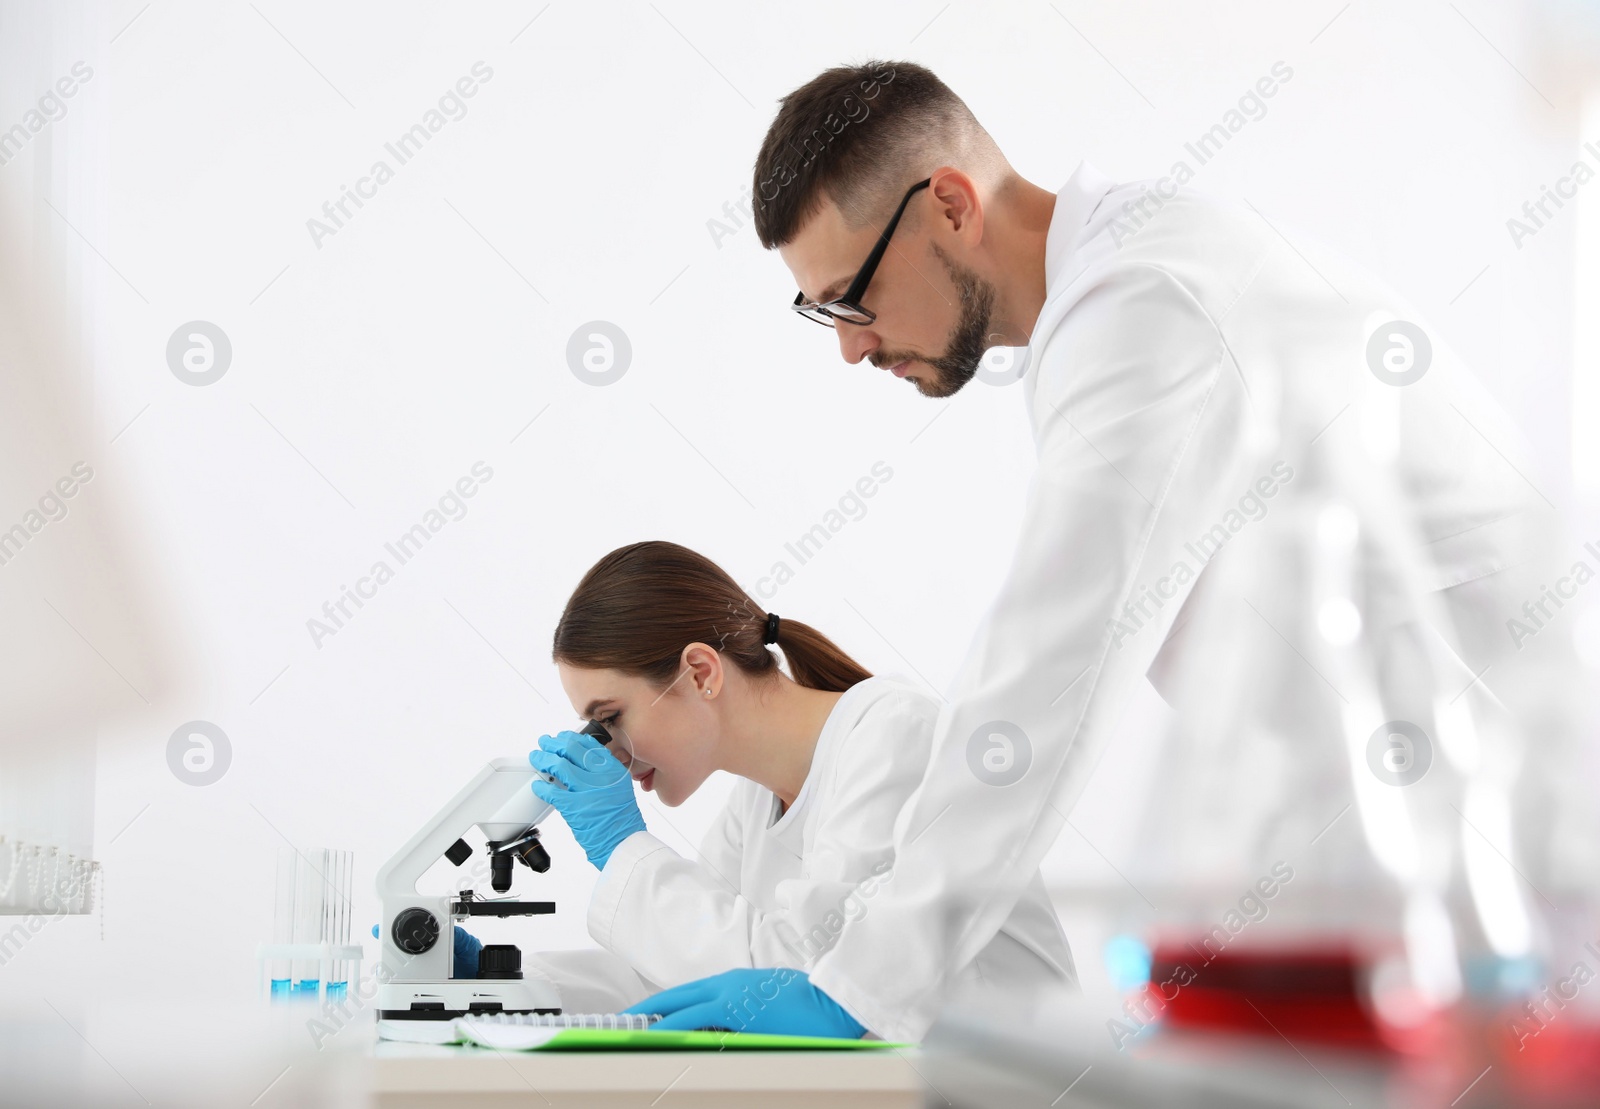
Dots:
pixel 415 931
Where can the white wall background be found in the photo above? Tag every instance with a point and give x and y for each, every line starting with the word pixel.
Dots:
pixel 371 372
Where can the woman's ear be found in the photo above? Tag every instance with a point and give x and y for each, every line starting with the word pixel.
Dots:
pixel 704 664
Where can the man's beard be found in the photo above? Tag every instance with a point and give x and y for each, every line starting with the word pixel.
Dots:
pixel 970 339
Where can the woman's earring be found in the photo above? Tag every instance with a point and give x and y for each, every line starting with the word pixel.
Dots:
pixel 708 693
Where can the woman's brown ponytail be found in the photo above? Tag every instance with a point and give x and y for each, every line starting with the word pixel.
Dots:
pixel 641 605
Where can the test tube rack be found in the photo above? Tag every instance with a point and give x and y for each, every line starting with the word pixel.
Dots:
pixel 327 956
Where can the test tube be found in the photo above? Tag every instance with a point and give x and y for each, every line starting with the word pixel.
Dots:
pixel 282 970
pixel 310 899
pixel 338 922
pixel 347 905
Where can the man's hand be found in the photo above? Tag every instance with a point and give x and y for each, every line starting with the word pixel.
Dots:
pixel 781 1001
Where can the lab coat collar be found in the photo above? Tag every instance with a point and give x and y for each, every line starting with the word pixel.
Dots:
pixel 1075 202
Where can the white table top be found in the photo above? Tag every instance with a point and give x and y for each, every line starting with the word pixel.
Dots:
pixel 411 1076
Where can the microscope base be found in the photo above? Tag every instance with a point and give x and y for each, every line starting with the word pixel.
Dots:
pixel 458 997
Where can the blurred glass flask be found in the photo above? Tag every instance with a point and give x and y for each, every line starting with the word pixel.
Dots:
pixel 1330 719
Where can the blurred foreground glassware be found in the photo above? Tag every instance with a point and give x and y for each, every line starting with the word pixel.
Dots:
pixel 1349 831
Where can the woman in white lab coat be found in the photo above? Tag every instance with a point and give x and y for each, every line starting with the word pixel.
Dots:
pixel 674 659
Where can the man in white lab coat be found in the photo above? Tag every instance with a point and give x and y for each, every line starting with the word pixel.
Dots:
pixel 1184 364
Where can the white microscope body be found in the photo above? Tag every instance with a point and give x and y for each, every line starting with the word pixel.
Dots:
pixel 417 932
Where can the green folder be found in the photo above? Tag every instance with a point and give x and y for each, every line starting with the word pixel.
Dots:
pixel 516 1035
pixel 619 1039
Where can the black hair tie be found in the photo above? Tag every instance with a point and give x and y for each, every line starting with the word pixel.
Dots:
pixel 772 628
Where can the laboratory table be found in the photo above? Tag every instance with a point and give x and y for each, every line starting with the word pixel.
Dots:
pixel 422 1076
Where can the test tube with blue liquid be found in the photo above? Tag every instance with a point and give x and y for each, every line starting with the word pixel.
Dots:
pixel 310 865
pixel 282 969
pixel 338 922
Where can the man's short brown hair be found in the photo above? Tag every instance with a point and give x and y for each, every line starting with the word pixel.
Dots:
pixel 859 135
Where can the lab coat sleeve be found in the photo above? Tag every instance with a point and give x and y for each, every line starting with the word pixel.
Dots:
pixel 676 919
pixel 657 909
pixel 1140 414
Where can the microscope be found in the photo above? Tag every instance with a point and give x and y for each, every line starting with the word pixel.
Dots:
pixel 418 931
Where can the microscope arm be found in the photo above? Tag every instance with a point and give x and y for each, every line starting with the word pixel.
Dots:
pixel 498 799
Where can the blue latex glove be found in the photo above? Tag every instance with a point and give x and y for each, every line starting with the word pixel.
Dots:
pixel 467 948
pixel 781 1001
pixel 594 795
pixel 466 958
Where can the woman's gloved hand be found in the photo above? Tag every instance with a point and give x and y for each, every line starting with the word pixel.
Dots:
pixel 749 999
pixel 594 793
pixel 467 948
pixel 466 959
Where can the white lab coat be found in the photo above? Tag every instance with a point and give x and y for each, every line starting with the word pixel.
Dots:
pixel 775 890
pixel 1176 358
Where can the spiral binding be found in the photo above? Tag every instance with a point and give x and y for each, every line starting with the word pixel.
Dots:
pixel 628 1022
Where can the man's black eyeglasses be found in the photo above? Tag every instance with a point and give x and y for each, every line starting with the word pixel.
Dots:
pixel 848 306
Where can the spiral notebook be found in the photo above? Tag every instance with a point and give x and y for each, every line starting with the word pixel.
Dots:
pixel 595 1032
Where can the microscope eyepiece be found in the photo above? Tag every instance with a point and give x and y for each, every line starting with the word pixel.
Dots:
pixel 598 730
